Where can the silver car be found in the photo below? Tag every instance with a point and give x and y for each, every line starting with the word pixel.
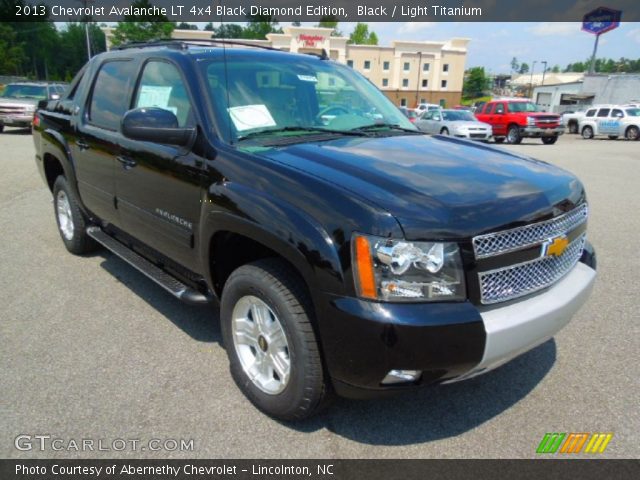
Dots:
pixel 459 123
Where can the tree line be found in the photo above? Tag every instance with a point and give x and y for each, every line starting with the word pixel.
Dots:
pixel 602 65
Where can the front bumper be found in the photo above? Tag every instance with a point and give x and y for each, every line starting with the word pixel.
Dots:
pixel 474 135
pixel 537 132
pixel 447 342
pixel 16 120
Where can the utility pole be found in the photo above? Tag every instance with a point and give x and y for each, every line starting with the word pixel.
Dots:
pixel 85 4
pixel 419 73
pixel 544 72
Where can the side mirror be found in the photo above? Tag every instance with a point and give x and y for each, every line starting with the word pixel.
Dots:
pixel 157 125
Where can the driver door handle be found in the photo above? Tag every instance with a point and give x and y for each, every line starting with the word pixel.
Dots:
pixel 126 162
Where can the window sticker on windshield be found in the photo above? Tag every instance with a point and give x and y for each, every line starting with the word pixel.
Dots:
pixel 308 78
pixel 248 117
pixel 155 96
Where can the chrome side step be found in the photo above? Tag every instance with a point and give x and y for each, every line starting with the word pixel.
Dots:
pixel 171 284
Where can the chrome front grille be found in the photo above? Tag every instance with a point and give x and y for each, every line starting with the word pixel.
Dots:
pixel 516 280
pixel 521 237
pixel 8 110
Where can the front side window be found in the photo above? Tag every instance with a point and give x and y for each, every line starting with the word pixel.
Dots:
pixel 162 86
pixel 499 108
pixel 616 113
pixel 109 100
pixel 255 94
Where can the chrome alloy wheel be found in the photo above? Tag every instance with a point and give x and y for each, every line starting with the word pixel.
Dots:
pixel 65 220
pixel 261 344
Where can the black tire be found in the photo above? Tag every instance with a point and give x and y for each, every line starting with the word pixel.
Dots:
pixel 513 135
pixel 498 139
pixel 444 131
pixel 587 132
pixel 549 140
pixel 79 242
pixel 283 291
pixel 573 127
pixel 613 137
pixel 1 128
pixel 632 133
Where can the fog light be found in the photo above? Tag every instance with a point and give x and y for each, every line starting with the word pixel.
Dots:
pixel 401 376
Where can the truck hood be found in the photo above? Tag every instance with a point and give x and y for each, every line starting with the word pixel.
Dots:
pixel 438 187
pixel 18 102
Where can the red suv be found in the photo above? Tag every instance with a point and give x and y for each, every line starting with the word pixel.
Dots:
pixel 514 120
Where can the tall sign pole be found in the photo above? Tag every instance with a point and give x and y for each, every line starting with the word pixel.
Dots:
pixel 599 21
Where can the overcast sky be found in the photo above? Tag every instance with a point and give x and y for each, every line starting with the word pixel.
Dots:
pixel 493 45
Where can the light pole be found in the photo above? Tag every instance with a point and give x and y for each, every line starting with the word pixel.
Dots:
pixel 533 65
pixel 544 72
pixel 85 4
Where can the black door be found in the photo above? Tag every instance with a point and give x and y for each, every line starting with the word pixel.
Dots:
pixel 97 143
pixel 158 186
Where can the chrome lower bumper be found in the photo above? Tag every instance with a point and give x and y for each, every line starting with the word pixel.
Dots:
pixel 522 325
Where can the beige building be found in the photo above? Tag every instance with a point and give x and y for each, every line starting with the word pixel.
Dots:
pixel 408 72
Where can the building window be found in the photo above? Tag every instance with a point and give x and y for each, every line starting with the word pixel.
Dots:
pixel 385 82
pixel 403 102
pixel 385 66
pixel 425 83
pixel 443 84
pixel 367 64
pixel 425 67
pixel 445 67
pixel 423 100
pixel 407 66
pixel 350 63
pixel 405 82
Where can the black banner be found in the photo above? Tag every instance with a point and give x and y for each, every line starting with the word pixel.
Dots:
pixel 313 11
pixel 319 469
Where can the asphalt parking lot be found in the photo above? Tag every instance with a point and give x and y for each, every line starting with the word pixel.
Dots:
pixel 91 349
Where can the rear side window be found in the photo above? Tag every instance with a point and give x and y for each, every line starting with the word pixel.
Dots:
pixel 591 113
pixel 109 100
pixel 604 112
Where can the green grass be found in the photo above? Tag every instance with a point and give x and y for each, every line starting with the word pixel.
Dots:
pixel 471 101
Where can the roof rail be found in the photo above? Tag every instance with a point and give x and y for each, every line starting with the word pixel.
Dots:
pixel 185 43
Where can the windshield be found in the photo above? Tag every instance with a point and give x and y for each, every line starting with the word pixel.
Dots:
pixel 37 92
pixel 523 107
pixel 267 94
pixel 633 112
pixel 458 116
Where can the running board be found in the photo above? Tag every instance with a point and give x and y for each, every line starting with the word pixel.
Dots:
pixel 171 284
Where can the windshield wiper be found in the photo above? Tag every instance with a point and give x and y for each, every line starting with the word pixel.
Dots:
pixel 272 131
pixel 391 126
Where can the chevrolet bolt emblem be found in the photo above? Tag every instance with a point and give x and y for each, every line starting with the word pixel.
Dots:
pixel 555 247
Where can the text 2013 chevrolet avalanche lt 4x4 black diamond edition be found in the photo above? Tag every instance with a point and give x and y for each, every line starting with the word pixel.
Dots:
pixel 349 252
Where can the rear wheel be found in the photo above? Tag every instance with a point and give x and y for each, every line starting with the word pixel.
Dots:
pixel 573 127
pixel 549 140
pixel 273 352
pixel 513 135
pixel 587 133
pixel 632 133
pixel 1 128
pixel 72 223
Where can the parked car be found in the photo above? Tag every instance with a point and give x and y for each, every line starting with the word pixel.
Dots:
pixel 513 120
pixel 359 256
pixel 412 115
pixel 571 120
pixel 18 101
pixel 458 123
pixel 424 107
pixel 611 120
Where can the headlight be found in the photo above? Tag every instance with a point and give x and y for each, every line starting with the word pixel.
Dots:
pixel 402 271
pixel 531 121
pixel 30 108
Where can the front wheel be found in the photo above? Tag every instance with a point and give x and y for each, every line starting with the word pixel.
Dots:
pixel 444 131
pixel 273 352
pixel 513 135
pixel 587 133
pixel 72 223
pixel 632 133
pixel 549 140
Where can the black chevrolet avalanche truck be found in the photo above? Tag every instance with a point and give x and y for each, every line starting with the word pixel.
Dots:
pixel 349 253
